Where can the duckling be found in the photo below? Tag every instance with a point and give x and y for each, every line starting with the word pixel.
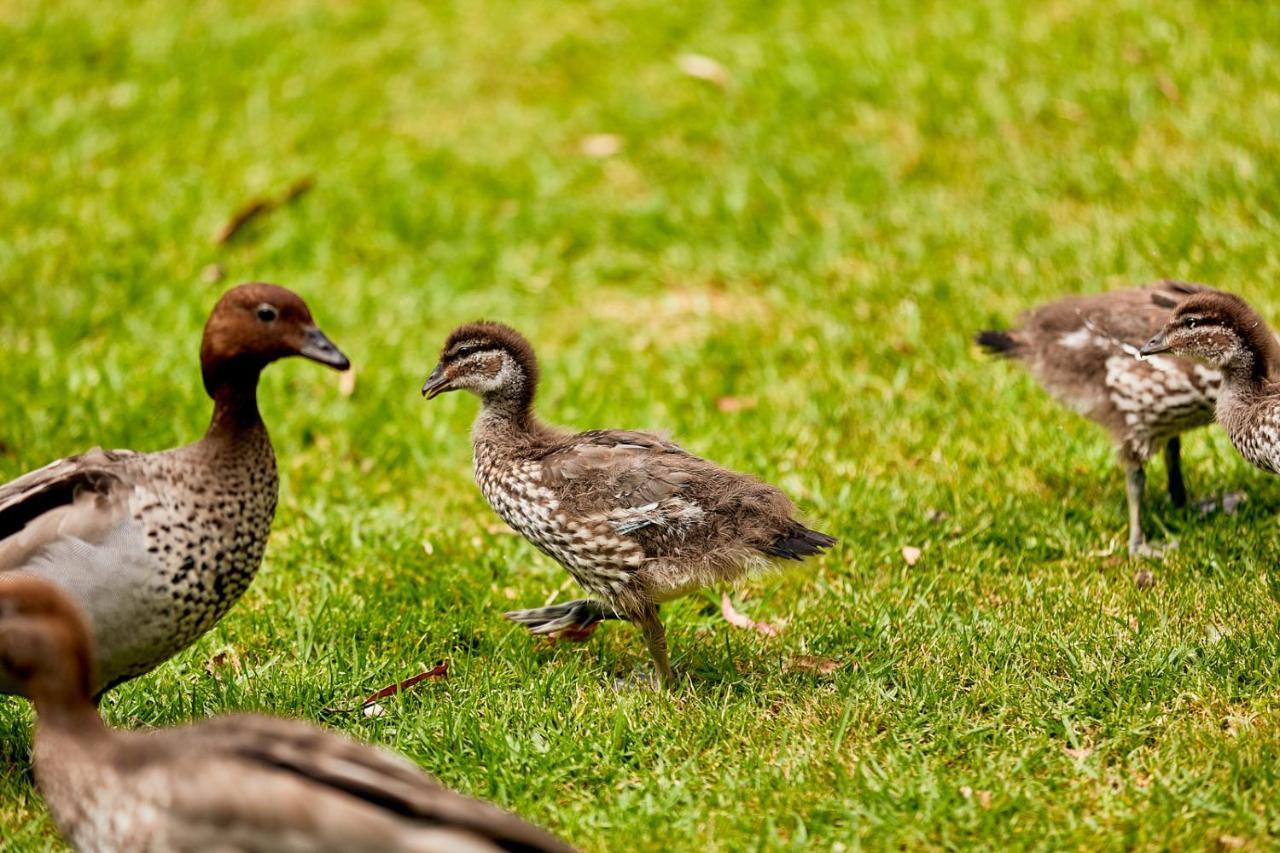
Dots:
pixel 635 519
pixel 156 547
pixel 242 782
pixel 1083 351
pixel 1221 330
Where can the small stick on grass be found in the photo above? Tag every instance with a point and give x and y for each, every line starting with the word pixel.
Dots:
pixel 259 206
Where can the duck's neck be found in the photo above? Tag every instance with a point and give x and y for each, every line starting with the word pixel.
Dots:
pixel 235 407
pixel 1241 399
pixel 65 706
pixel 507 421
pixel 68 747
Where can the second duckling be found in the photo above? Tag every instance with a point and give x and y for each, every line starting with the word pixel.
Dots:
pixel 1084 351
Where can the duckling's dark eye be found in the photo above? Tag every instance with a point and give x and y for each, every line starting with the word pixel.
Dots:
pixel 1190 322
pixel 267 313
pixel 463 352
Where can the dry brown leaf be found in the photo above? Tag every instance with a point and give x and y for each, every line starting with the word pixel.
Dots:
pixel 1231 842
pixel 703 68
pixel 600 145
pixel 911 554
pixel 1143 579
pixel 227 656
pixel 255 208
pixel 738 620
pixel 213 273
pixel 1169 88
pixel 1078 754
pixel 810 663
pixel 347 382
pixel 735 404
pixel 984 799
pixel 934 515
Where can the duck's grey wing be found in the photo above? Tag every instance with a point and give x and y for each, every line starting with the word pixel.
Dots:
pixel 322 763
pixel 82 496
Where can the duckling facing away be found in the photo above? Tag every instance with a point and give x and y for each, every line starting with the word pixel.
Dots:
pixel 230 783
pixel 1083 351
pixel 156 547
pixel 634 518
pixel 1223 332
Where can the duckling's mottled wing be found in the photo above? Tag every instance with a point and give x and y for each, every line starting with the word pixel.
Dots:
pixel 83 496
pixel 607 470
pixel 323 761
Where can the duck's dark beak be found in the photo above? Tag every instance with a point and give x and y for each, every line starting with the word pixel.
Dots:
pixel 317 347
pixel 437 383
pixel 1156 345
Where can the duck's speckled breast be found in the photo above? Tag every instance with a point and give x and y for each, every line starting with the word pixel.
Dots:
pixel 197 528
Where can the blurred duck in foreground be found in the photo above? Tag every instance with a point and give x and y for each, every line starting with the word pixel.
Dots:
pixel 635 519
pixel 247 783
pixel 1084 351
pixel 1223 332
pixel 156 547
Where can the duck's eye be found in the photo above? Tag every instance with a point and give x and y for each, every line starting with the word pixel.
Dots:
pixel 1190 322
pixel 463 352
pixel 267 313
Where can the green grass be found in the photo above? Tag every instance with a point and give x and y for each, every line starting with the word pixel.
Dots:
pixel 821 235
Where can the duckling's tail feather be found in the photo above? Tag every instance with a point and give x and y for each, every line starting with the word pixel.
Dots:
pixel 997 342
pixel 799 542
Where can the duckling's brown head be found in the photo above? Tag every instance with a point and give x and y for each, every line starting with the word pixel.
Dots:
pixel 1220 330
pixel 490 360
pixel 45 649
pixel 255 324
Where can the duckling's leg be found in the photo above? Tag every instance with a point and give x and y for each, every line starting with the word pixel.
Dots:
pixel 1135 480
pixel 1173 465
pixel 655 637
pixel 574 620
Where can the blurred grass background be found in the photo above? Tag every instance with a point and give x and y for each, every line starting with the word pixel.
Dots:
pixel 780 258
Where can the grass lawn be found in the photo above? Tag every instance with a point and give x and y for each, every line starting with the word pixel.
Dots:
pixel 782 265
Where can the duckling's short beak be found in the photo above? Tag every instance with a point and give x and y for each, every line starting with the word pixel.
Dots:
pixel 1155 346
pixel 437 383
pixel 317 347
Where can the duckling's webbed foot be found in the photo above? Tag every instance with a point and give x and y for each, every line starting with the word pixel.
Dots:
pixel 573 620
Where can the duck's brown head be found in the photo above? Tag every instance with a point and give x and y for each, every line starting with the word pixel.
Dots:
pixel 1222 331
pixel 45 651
pixel 490 360
pixel 255 324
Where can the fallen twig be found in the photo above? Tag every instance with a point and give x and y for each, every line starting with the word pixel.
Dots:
pixel 257 207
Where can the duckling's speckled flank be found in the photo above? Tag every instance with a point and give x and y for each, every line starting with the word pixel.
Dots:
pixel 156 547
pixel 1083 350
pixel 1223 332
pixel 230 783
pixel 633 517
